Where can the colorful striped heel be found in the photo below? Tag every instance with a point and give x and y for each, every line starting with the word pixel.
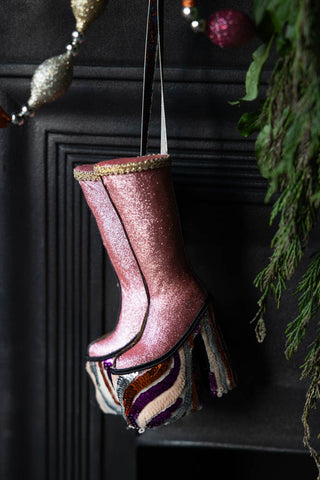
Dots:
pixel 165 392
pixel 99 373
pixel 221 377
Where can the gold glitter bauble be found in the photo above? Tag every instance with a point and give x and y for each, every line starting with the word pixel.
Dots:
pixel 51 80
pixel 86 11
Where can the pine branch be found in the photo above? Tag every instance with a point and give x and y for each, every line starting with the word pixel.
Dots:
pixel 308 304
pixel 288 155
pixel 297 218
pixel 311 369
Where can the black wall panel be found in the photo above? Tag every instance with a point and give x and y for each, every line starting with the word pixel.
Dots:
pixel 57 288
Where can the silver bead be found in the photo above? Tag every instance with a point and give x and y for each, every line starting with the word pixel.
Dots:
pixel 73 48
pixel 17 119
pixel 198 26
pixel 26 111
pixel 51 80
pixel 78 37
pixel 190 13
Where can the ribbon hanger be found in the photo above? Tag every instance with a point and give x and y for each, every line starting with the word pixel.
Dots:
pixel 153 51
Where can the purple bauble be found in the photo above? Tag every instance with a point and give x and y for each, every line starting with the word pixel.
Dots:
pixel 230 28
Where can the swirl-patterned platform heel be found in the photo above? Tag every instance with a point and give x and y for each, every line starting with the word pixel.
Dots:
pixel 165 392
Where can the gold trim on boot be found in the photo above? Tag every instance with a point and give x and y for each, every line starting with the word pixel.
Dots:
pixel 151 162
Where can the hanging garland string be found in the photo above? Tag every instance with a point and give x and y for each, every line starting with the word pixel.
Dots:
pixel 227 28
pixel 287 148
pixel 54 76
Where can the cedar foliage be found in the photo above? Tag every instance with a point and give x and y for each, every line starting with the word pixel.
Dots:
pixel 287 148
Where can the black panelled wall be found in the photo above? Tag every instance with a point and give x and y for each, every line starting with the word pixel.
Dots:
pixel 58 291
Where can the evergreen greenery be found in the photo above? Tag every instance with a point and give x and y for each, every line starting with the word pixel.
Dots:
pixel 288 155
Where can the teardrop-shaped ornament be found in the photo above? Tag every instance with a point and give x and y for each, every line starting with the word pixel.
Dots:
pixel 51 80
pixel 86 11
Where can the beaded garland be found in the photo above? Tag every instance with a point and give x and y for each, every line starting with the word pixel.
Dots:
pixel 225 28
pixel 53 77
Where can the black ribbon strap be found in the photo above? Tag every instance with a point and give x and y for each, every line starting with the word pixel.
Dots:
pixel 152 52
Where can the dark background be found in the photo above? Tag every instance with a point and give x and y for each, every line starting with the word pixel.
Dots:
pixel 57 289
